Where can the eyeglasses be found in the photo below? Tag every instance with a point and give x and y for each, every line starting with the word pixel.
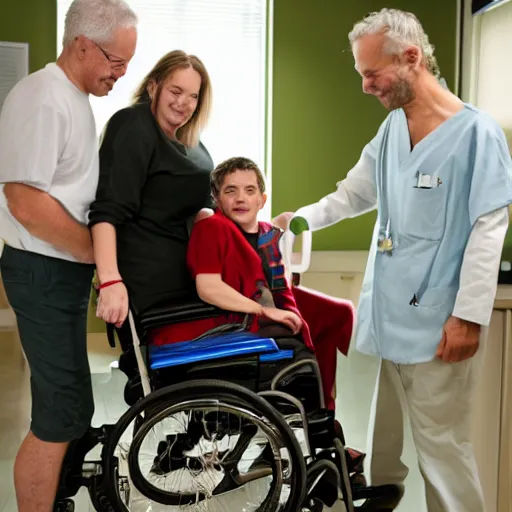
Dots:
pixel 116 62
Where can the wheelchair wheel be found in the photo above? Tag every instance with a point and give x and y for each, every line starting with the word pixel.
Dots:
pixel 226 422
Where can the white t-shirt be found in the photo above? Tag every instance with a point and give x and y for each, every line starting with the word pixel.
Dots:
pixel 48 141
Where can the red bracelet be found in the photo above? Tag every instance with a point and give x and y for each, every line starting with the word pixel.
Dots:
pixel 110 283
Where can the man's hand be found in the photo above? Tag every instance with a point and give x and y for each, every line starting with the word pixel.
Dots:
pixel 283 220
pixel 460 340
pixel 84 253
pixel 45 218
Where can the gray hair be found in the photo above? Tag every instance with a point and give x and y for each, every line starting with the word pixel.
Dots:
pixel 97 19
pixel 402 29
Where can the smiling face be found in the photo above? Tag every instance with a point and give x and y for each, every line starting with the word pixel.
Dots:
pixel 240 199
pixel 388 77
pixel 177 99
pixel 105 63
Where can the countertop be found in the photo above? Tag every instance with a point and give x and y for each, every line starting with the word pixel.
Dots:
pixel 503 297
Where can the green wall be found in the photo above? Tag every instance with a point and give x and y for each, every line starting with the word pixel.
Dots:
pixel 321 118
pixel 32 21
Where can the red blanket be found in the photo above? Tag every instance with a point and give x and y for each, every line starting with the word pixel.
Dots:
pixel 330 321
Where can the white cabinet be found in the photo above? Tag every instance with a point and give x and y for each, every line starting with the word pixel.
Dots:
pixel 492 418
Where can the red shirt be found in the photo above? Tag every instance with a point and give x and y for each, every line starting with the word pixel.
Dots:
pixel 217 246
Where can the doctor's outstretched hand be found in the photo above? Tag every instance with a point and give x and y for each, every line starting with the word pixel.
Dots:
pixel 460 340
pixel 283 220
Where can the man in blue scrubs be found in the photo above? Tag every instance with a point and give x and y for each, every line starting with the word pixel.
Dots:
pixel 439 174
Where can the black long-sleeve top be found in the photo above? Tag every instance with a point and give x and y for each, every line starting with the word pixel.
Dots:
pixel 149 187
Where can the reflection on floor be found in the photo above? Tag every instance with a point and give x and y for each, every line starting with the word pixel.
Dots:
pixel 356 379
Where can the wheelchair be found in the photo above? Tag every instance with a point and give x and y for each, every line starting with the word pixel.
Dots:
pixel 229 421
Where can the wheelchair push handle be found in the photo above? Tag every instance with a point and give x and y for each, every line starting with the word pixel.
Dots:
pixel 296 263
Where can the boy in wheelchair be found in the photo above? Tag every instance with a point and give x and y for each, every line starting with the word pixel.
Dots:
pixel 237 267
pixel 270 384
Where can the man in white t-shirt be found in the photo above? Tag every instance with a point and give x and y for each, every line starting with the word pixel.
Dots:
pixel 49 173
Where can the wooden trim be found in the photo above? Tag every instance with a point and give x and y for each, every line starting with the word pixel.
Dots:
pixel 505 455
pixel 503 297
pixel 503 304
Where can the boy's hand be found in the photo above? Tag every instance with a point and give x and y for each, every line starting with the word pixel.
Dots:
pixel 202 214
pixel 281 316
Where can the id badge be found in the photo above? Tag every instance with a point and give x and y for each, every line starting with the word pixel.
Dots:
pixel 385 244
pixel 427 181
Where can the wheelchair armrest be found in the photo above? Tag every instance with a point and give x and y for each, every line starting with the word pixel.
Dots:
pixel 162 314
pixel 174 312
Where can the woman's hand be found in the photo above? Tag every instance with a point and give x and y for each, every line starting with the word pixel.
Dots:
pixel 202 214
pixel 282 316
pixel 113 304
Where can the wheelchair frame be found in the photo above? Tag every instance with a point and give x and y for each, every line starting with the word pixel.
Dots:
pixel 95 475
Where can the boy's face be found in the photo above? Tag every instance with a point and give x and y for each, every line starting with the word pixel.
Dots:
pixel 240 199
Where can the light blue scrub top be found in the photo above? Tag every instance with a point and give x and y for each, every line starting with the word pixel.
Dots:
pixel 467 161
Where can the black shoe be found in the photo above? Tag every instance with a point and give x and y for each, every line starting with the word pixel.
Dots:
pixel 64 506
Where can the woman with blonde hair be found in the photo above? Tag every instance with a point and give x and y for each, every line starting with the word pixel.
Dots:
pixel 154 177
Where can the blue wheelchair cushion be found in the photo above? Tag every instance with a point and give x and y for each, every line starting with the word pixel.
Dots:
pixel 277 356
pixel 215 347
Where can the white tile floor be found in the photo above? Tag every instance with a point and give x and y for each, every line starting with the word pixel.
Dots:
pixel 355 384
pixel 356 379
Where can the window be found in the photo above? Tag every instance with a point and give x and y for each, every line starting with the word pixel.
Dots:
pixel 486 77
pixel 487 74
pixel 230 37
pixel 492 77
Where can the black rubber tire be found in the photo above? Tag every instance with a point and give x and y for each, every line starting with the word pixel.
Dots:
pixel 204 389
pixel 329 487
pixel 381 498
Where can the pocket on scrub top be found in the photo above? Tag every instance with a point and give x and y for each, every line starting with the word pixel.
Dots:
pixel 435 298
pixel 424 213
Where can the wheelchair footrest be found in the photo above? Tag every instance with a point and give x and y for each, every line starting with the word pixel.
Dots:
pixel 212 347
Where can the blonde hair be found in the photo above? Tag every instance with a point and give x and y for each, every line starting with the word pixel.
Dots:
pixel 402 29
pixel 189 133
